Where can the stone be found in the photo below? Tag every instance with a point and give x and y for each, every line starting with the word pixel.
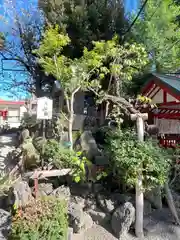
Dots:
pixel 82 190
pixel 122 220
pixel 147 208
pixel 97 187
pixel 39 142
pixel 154 197
pixel 5 224
pixel 98 216
pixel 44 189
pixel 107 205
pixel 176 198
pixel 30 154
pixel 119 198
pixel 22 193
pixel 89 145
pixel 78 219
pixel 78 200
pixel 88 222
pixel 76 215
pixel 90 203
pixel 62 192
pixel 24 135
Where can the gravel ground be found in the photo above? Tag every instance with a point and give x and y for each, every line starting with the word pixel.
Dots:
pixel 158 226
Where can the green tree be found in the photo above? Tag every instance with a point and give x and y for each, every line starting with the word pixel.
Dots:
pixel 158 30
pixel 106 59
pixel 85 21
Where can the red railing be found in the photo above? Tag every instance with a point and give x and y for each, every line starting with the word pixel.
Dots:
pixel 170 141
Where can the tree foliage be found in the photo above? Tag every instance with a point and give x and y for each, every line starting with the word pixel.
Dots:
pixel 128 156
pixel 159 31
pixel 85 21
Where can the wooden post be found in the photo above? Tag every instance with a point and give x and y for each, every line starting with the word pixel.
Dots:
pixel 44 136
pixel 139 184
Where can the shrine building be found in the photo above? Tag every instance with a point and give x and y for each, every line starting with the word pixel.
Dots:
pixel 164 91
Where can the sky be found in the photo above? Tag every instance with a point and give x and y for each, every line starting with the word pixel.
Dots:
pixel 6 10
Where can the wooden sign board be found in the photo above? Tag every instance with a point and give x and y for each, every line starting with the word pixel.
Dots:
pixel 44 108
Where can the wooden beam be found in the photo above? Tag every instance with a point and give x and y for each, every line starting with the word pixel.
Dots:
pixel 168 103
pixel 164 96
pixel 151 91
pixel 167 115
pixel 147 87
pixel 134 117
pixel 47 173
pixel 158 90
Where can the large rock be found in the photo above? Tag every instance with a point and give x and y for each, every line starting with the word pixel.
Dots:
pixel 78 200
pixel 120 198
pixel 62 192
pixel 5 224
pixel 78 219
pixel 98 216
pixel 147 208
pixel 79 189
pixel 89 145
pixel 122 219
pixel 107 205
pixel 176 198
pixel 30 155
pixel 44 189
pixel 154 197
pixel 22 193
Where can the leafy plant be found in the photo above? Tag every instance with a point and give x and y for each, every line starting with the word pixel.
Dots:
pixel 62 157
pixel 129 155
pixel 42 219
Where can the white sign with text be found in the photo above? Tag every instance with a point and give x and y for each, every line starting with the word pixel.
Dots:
pixel 44 108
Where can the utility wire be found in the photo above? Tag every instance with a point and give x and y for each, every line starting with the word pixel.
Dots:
pixel 136 18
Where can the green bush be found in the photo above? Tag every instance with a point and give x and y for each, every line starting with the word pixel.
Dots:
pixel 128 156
pixel 62 157
pixel 42 219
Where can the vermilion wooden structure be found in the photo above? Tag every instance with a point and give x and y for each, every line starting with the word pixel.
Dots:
pixel 164 90
pixel 3 113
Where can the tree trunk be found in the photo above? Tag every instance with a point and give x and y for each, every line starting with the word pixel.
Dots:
pixel 139 186
pixel 170 202
pixel 71 118
pixel 70 136
pixel 139 208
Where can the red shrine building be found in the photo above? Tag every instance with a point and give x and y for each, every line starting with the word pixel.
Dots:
pixel 164 90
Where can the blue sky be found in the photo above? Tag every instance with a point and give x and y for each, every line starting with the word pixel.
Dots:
pixel 131 5
pixel 6 10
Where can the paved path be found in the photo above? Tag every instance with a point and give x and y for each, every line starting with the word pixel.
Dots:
pixel 7 142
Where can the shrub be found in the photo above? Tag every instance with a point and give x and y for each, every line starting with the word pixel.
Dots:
pixel 129 155
pixel 62 157
pixel 42 219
